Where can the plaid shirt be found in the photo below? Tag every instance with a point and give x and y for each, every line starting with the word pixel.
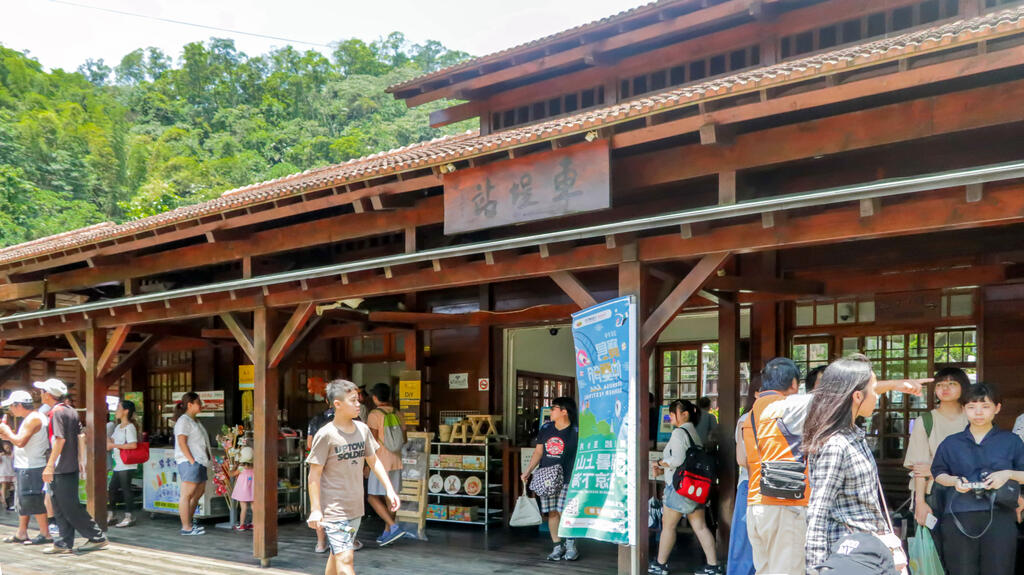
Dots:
pixel 844 495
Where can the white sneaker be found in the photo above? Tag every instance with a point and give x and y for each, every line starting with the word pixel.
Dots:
pixel 571 553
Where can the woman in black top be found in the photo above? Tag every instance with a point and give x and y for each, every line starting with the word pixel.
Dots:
pixel 556 445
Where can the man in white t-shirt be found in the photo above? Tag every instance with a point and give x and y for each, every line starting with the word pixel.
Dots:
pixel 30 449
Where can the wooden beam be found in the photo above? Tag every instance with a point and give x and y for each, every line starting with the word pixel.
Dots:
pixel 942 210
pixel 95 428
pixel 113 346
pixel 573 288
pixel 232 219
pixel 765 284
pixel 132 359
pixel 728 404
pixel 727 187
pixel 242 335
pixel 289 334
pixel 265 431
pixel 19 364
pixel 691 284
pixel 77 346
pixel 297 236
pixel 911 120
pixel 689 21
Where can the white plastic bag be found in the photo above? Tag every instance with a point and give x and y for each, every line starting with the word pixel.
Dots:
pixel 526 513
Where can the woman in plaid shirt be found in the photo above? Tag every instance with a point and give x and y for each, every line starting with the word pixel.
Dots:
pixel 845 493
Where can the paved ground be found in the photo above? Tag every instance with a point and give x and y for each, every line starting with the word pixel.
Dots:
pixel 154 547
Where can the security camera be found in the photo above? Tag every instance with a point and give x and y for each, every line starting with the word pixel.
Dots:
pixel 553 331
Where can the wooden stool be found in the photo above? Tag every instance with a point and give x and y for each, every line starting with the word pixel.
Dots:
pixel 483 428
pixel 460 432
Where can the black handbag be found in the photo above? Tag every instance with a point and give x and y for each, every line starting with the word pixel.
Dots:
pixel 547 481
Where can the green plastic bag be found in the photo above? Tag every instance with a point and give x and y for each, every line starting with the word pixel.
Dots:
pixel 924 559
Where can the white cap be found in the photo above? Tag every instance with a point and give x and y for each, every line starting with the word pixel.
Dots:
pixel 53 386
pixel 245 455
pixel 19 396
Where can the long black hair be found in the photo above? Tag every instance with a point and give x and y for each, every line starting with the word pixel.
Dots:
pixel 687 406
pixel 831 409
pixel 569 406
pixel 129 406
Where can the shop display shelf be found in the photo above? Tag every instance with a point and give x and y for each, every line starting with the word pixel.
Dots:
pixel 456 495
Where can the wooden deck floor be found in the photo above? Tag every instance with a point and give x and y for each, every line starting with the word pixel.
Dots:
pixel 153 547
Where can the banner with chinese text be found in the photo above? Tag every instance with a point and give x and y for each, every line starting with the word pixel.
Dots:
pixel 602 487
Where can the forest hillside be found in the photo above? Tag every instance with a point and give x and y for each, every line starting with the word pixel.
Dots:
pixel 151 133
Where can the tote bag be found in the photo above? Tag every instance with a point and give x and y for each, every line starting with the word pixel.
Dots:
pixel 526 512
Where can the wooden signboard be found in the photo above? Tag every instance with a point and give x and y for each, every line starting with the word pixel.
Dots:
pixel 908 307
pixel 535 187
pixel 415 462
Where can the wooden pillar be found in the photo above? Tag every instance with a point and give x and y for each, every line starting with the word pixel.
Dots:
pixel 265 400
pixel 633 560
pixel 728 408
pixel 763 321
pixel 95 428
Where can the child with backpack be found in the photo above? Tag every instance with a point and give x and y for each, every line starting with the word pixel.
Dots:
pixel 387 429
pixel 684 444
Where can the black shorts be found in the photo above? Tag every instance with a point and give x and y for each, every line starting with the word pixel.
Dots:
pixel 28 492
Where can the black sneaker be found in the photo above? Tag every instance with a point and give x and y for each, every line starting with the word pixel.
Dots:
pixel 656 568
pixel 710 570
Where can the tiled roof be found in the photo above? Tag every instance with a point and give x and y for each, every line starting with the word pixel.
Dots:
pixel 534 44
pixel 452 148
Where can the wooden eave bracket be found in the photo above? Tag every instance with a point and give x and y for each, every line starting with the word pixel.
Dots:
pixel 691 284
pixel 242 335
pixel 109 354
pixel 20 363
pixel 134 357
pixel 77 346
pixel 573 288
pixel 289 336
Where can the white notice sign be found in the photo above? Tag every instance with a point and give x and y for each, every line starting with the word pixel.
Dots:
pixel 458 381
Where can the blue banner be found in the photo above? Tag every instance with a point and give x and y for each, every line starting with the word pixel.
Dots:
pixel 602 488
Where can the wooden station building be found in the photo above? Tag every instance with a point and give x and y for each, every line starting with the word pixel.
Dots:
pixel 812 177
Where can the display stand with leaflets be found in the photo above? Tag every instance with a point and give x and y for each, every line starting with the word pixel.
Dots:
pixel 413 495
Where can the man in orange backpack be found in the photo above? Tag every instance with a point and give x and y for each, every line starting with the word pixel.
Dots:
pixel 778 488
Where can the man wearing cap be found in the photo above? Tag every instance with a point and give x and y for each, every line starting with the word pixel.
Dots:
pixel 30 450
pixel 61 473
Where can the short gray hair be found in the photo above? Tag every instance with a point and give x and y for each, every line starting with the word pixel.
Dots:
pixel 338 389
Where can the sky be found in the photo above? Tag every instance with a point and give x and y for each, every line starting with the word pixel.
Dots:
pixel 63 33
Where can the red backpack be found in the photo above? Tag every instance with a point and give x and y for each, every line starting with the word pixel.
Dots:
pixel 694 478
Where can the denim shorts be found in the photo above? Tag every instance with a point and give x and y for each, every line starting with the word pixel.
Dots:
pixel 341 534
pixel 677 502
pixel 192 472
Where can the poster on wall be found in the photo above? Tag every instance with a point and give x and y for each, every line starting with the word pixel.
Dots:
pixel 458 381
pixel 410 392
pixel 246 377
pixel 602 488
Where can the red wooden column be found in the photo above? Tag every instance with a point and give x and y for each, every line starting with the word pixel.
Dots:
pixel 95 427
pixel 265 404
pixel 633 560
pixel 728 408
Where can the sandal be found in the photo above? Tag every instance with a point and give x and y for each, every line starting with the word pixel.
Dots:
pixel 14 539
pixel 37 540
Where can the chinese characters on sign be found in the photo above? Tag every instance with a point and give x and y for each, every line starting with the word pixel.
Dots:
pixel 535 187
pixel 602 488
